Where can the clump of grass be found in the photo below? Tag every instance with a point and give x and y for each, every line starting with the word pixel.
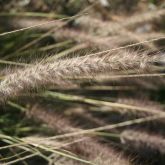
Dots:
pixel 143 103
pixel 89 148
pixel 103 85
pixel 143 143
pixel 105 28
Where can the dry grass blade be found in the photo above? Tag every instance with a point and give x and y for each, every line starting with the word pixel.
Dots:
pixel 113 105
pixel 29 27
pixel 107 127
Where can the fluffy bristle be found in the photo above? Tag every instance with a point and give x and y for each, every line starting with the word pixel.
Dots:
pixel 56 73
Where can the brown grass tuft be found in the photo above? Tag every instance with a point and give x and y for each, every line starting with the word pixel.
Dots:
pixel 56 72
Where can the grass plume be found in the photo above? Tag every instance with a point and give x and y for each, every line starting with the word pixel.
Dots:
pixel 55 73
